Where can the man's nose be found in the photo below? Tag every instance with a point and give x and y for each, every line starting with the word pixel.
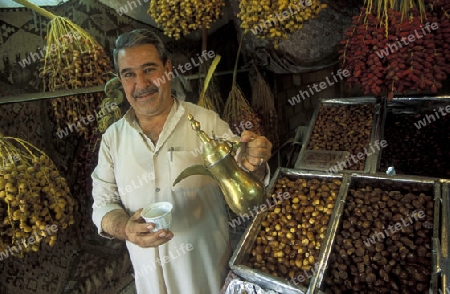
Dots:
pixel 142 81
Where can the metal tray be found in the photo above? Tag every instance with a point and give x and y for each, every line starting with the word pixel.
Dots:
pixel 318 285
pixel 445 223
pixel 372 160
pixel 414 104
pixel 408 105
pixel 245 246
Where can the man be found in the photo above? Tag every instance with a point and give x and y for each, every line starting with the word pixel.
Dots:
pixel 155 138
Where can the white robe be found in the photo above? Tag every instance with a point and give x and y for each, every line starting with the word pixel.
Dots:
pixel 133 173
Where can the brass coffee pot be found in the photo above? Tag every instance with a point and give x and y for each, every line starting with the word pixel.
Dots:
pixel 242 191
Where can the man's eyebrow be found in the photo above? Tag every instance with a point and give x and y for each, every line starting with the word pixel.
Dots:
pixel 142 66
pixel 125 70
pixel 149 64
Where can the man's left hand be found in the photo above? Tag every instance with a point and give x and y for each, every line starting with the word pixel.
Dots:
pixel 255 153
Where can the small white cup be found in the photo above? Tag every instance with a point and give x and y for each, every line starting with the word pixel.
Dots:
pixel 160 214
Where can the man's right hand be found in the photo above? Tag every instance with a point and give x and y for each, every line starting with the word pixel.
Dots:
pixel 138 232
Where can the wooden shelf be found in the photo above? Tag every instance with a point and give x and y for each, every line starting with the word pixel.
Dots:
pixel 218 74
pixel 49 95
pixel 63 93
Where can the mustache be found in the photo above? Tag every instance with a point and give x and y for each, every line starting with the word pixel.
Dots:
pixel 146 91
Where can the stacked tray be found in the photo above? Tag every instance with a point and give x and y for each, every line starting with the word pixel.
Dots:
pixel 383 249
pixel 417 135
pixel 243 253
pixel 436 257
pixel 324 148
pixel 445 222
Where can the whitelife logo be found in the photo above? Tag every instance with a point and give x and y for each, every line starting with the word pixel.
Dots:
pixel 423 123
pixel 185 248
pixel 302 278
pixel 98 115
pixel 35 56
pixel 9 159
pixel 411 38
pixel 31 240
pixel 394 228
pixel 227 136
pixel 124 9
pixel 183 68
pixel 342 164
pixel 263 207
pixel 114 198
pixel 323 85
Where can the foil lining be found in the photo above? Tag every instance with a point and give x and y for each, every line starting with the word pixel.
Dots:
pixel 241 287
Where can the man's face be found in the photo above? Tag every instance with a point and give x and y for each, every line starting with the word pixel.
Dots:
pixel 141 72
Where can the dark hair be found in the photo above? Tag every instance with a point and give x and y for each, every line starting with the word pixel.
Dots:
pixel 139 37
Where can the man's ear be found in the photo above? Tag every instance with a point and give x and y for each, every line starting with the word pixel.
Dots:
pixel 168 65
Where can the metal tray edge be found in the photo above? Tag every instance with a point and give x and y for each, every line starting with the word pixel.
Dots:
pixel 239 247
pixel 436 241
pixel 410 179
pixel 249 237
pixel 375 133
pixel 336 217
pixel 445 229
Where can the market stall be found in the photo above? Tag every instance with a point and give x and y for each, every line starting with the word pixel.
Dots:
pixel 386 228
pixel 365 228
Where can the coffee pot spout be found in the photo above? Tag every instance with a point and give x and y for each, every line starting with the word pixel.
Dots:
pixel 192 171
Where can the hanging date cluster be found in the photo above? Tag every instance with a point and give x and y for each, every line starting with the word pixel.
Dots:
pixel 389 52
pixel 75 60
